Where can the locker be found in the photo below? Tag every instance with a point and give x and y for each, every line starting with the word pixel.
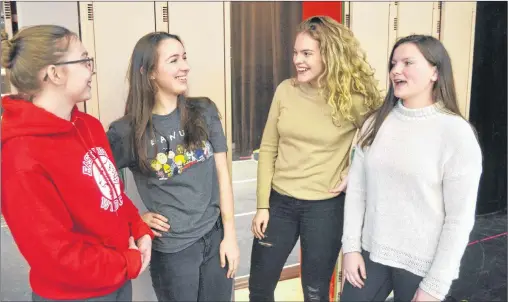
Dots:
pixel 457 35
pixel 365 19
pixel 204 47
pixel 414 18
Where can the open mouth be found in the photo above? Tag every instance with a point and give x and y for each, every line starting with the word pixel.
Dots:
pixel 399 83
pixel 301 69
pixel 89 84
pixel 182 79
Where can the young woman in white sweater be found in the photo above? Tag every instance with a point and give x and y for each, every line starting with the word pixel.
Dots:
pixel 413 184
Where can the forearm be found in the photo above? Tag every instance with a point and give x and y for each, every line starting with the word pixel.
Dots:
pixel 226 203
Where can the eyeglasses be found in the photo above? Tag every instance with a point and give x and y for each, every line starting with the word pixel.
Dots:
pixel 89 64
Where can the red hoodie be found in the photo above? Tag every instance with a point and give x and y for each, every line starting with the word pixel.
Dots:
pixel 64 203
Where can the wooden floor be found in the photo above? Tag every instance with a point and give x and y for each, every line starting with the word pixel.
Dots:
pixel 288 290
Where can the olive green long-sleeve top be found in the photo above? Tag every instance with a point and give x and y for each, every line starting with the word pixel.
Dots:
pixel 303 154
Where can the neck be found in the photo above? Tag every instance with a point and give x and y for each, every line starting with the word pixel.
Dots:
pixel 54 103
pixel 419 101
pixel 165 103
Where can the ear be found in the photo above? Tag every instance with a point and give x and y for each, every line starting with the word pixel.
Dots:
pixel 54 75
pixel 435 75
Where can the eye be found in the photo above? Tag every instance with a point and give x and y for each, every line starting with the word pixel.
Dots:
pixel 307 54
pixel 407 63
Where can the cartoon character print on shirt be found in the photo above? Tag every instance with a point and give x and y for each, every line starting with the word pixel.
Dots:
pixel 97 164
pixel 169 163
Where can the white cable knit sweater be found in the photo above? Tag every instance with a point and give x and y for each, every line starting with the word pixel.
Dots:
pixel 411 195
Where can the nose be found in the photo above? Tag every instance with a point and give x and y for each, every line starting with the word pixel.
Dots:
pixel 396 69
pixel 185 66
pixel 297 58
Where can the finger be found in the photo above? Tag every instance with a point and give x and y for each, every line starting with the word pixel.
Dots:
pixel 160 217
pixel 357 278
pixel 230 269
pixel 156 234
pixel 222 259
pixel 264 226
pixel 350 280
pixel 257 229
pixel 132 244
pixel 363 272
pixel 159 225
pixel 161 222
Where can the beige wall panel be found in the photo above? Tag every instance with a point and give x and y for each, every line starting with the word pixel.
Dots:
pixel 414 18
pixel 227 87
pixel 369 23
pixel 47 12
pixel 134 20
pixel 457 35
pixel 204 44
pixel 88 40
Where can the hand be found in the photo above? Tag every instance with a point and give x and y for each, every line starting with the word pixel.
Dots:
pixel 144 245
pixel 260 222
pixel 156 222
pixel 133 246
pixel 229 250
pixel 352 263
pixel 341 187
pixel 423 296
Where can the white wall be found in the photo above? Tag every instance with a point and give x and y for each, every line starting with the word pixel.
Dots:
pixel 57 13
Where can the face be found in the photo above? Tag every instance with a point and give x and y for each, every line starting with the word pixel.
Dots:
pixel 307 59
pixel 412 75
pixel 77 77
pixel 172 67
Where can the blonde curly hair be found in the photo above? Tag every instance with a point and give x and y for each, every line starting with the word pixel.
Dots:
pixel 346 70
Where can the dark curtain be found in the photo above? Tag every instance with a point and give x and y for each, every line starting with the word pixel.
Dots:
pixel 488 102
pixel 262 38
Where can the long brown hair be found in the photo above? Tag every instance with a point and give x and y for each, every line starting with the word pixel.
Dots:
pixel 29 51
pixel 443 90
pixel 141 101
pixel 346 68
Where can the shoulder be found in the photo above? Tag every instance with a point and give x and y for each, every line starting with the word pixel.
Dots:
pixel 459 135
pixel 20 154
pixel 121 126
pixel 286 86
pixel 202 104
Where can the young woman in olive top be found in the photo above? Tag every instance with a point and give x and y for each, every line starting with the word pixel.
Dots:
pixel 304 158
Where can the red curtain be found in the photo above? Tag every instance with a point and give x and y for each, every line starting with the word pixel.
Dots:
pixel 320 8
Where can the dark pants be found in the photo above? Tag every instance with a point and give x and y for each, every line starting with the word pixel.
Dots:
pixel 319 226
pixel 193 274
pixel 380 282
pixel 123 294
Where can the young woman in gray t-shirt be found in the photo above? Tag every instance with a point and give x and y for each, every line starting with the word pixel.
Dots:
pixel 176 149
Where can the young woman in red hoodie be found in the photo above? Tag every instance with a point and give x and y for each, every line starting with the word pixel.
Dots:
pixel 62 197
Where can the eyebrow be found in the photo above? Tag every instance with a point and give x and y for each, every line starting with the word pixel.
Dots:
pixel 176 55
pixel 309 50
pixel 84 54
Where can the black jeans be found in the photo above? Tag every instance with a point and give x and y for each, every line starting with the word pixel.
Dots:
pixel 319 226
pixel 380 282
pixel 193 274
pixel 123 294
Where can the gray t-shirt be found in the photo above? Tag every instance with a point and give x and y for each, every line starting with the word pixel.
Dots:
pixel 182 185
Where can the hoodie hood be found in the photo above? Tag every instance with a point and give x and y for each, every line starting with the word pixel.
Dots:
pixel 22 118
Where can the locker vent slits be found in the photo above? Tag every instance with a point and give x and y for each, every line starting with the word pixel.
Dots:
pixel 395 23
pixel 90 12
pixel 165 14
pixel 348 20
pixel 7 10
pixel 439 26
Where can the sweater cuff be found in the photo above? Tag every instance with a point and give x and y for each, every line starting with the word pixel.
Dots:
pixel 140 228
pixel 436 288
pixel 133 259
pixel 350 245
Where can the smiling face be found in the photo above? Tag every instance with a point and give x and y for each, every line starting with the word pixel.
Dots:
pixel 412 76
pixel 307 59
pixel 171 68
